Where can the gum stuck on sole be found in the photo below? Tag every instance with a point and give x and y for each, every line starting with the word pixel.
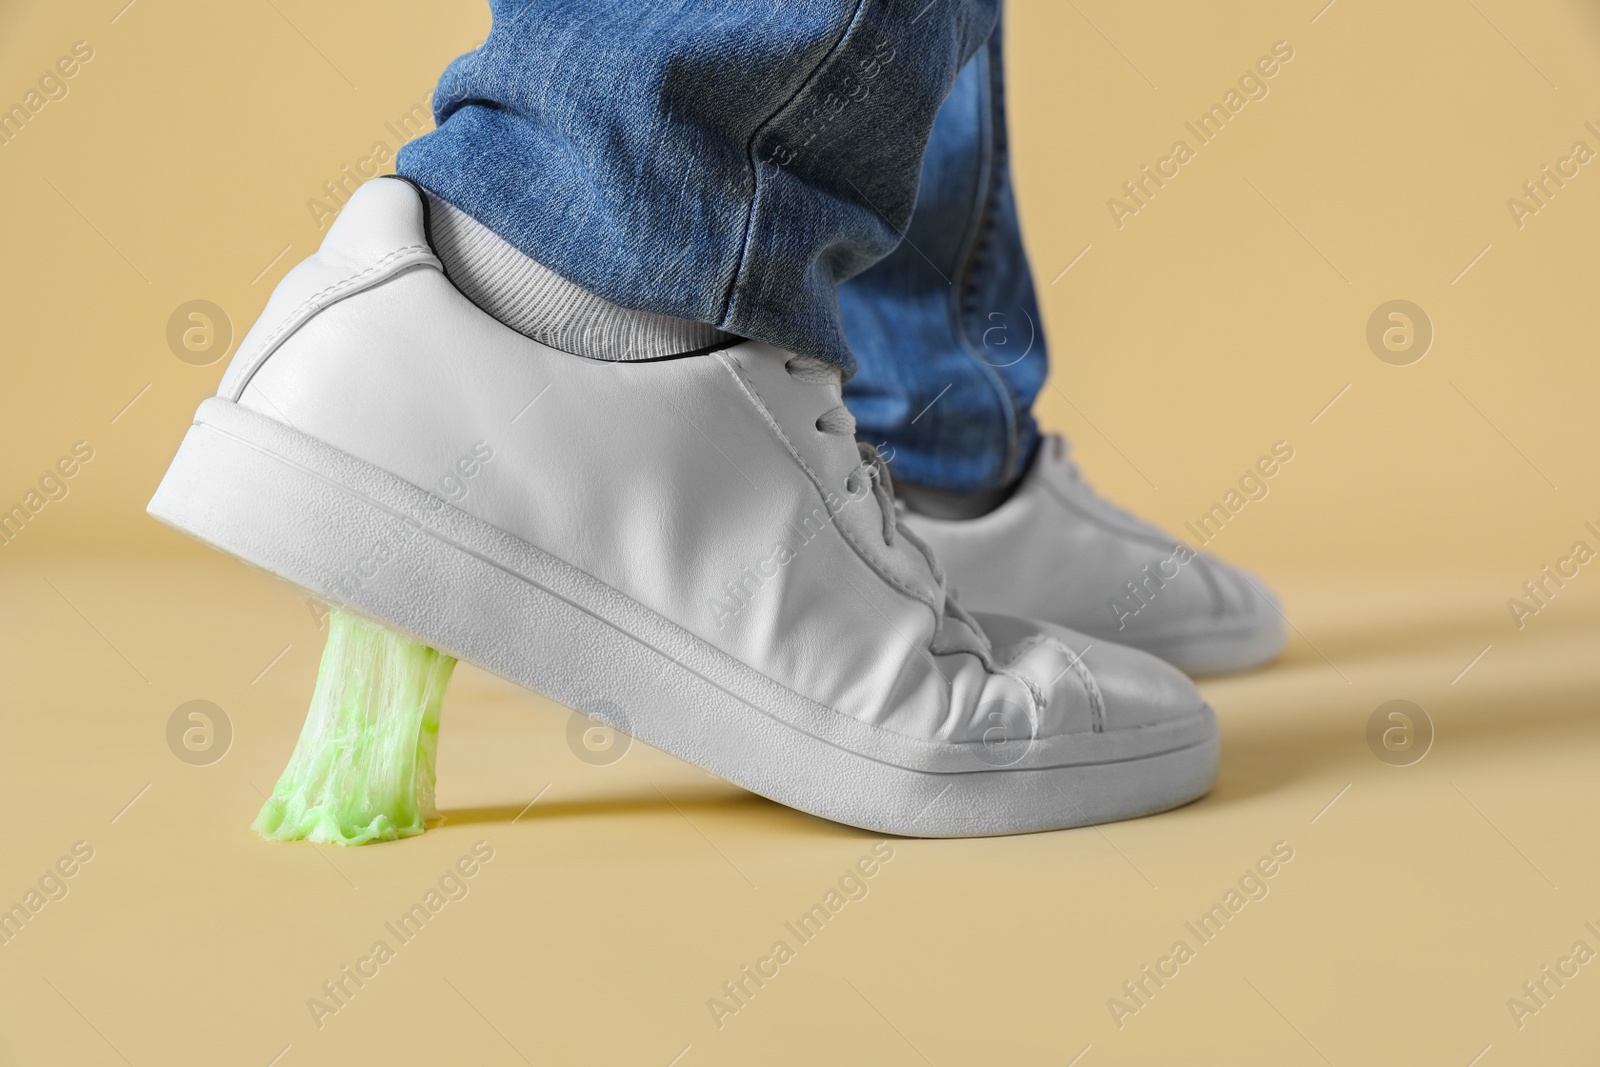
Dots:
pixel 363 769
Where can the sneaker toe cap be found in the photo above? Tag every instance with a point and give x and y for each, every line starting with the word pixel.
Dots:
pixel 1092 684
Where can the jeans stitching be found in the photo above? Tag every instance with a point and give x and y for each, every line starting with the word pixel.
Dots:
pixel 735 283
pixel 978 238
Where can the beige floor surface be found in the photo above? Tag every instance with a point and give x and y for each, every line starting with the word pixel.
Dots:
pixel 188 161
pixel 1417 901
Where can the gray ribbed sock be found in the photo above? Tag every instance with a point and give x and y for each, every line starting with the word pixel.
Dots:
pixel 539 303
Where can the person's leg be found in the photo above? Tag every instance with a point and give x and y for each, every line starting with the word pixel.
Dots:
pixel 946 328
pixel 947 334
pixel 726 166
pixel 695 550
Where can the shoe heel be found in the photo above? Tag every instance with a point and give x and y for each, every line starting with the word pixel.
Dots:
pixel 363 769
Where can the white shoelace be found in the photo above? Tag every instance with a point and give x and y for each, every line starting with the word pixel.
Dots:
pixel 838 420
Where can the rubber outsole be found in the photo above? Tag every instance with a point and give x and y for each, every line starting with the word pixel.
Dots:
pixel 363 538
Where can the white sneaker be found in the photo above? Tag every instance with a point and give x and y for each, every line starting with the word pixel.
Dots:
pixel 690 550
pixel 1056 550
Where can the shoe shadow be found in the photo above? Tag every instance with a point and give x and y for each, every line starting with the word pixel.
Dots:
pixel 1372 624
pixel 618 804
pixel 1297 727
pixel 724 800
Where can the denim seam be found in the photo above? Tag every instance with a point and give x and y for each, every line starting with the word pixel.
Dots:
pixel 977 234
pixel 743 258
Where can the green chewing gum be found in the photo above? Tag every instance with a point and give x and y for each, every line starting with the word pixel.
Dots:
pixel 363 769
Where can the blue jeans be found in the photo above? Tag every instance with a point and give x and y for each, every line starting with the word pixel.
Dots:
pixel 828 176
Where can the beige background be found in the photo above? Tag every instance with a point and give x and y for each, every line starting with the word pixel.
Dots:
pixel 1223 317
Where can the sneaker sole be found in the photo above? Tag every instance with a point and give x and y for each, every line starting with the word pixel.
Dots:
pixel 363 538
